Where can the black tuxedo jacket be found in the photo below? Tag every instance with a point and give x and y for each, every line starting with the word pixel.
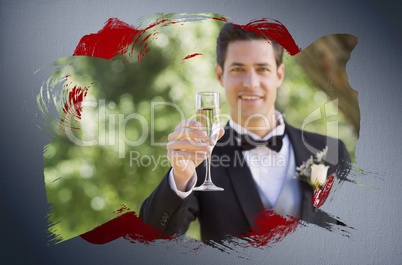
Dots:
pixel 233 210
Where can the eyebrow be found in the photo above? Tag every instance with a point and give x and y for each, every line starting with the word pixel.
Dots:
pixel 257 64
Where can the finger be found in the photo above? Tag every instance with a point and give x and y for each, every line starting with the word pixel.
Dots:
pixel 186 133
pixel 221 133
pixel 187 145
pixel 189 124
pixel 182 155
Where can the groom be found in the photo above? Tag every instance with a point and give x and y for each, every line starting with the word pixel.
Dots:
pixel 254 175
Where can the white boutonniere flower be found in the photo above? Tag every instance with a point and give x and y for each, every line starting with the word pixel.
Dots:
pixel 318 175
pixel 314 171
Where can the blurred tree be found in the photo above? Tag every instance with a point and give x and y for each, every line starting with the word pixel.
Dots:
pixel 324 62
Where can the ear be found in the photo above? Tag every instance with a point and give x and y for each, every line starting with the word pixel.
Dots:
pixel 280 73
pixel 219 74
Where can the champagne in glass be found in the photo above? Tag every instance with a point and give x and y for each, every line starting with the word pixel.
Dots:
pixel 209 120
pixel 208 105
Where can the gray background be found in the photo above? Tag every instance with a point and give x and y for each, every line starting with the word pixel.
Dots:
pixel 36 33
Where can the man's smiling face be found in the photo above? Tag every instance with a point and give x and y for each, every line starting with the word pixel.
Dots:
pixel 250 78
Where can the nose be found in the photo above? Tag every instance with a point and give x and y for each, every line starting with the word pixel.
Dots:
pixel 251 80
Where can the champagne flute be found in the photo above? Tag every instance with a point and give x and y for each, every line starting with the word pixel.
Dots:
pixel 208 106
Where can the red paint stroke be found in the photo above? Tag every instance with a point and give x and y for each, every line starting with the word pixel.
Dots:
pixel 270 228
pixel 275 30
pixel 115 38
pixel 321 195
pixel 220 19
pixel 129 226
pixel 73 105
pixel 191 56
pixel 112 38
pixel 122 209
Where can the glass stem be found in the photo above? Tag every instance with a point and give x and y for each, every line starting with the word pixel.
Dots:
pixel 208 170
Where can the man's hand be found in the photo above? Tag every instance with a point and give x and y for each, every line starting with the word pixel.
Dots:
pixel 187 148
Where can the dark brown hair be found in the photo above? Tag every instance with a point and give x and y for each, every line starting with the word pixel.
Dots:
pixel 230 33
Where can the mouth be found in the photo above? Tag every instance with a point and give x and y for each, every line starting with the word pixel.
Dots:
pixel 250 98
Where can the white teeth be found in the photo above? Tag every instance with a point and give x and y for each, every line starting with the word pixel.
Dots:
pixel 249 97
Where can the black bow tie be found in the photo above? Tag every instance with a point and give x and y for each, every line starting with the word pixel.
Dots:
pixel 247 142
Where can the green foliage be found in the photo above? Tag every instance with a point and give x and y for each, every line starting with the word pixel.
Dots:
pixel 128 99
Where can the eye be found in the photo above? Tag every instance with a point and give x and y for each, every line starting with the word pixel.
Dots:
pixel 263 69
pixel 236 69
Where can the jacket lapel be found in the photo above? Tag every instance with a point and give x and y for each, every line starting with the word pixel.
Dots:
pixel 300 150
pixel 301 155
pixel 241 178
